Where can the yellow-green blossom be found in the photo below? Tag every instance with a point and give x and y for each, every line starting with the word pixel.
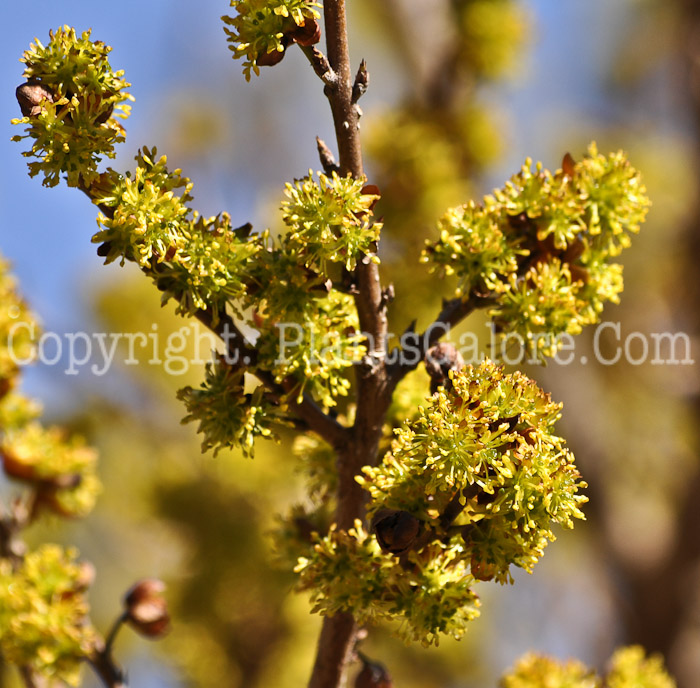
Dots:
pixel 259 27
pixel 76 125
pixel 330 220
pixel 44 621
pixel 542 246
pixel 61 469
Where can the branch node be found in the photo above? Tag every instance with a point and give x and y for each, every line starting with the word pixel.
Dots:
pixel 358 112
pixel 321 66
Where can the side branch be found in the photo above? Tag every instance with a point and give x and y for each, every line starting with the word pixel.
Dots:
pixel 453 312
pixel 320 65
pixel 239 349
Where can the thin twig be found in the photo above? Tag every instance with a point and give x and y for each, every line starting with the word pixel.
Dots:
pixel 307 410
pixel 101 659
pixel 240 349
pixel 453 312
pixel 107 670
pixel 320 64
pixel 114 631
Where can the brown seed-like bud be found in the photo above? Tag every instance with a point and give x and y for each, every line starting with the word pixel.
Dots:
pixel 573 251
pixel 105 115
pixel 270 59
pixel 522 223
pixel 6 385
pixel 482 570
pixel 104 249
pixel 30 96
pixel 579 274
pixel 373 675
pixel 65 481
pixel 439 361
pixel 568 165
pixel 15 468
pixel 371 190
pixel 309 33
pixel 147 609
pixel 396 531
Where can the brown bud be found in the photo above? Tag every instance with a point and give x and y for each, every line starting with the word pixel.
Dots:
pixel 373 675
pixel 147 609
pixel 510 423
pixel 326 157
pixel 270 59
pixel 104 249
pixel 439 361
pixel 105 115
pixel 573 251
pixel 396 531
pixel 568 165
pixel 482 570
pixel 6 385
pixel 15 468
pixel 170 253
pixel 371 190
pixel 65 481
pixel 309 33
pixel 522 223
pixel 579 274
pixel 30 96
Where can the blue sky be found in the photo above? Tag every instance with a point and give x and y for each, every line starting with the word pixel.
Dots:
pixel 174 50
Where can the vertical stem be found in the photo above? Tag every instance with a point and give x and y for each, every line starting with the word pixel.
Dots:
pixel 335 646
pixel 338 634
pixel 345 115
pixel 31 679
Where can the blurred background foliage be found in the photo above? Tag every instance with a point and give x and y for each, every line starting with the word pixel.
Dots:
pixel 462 91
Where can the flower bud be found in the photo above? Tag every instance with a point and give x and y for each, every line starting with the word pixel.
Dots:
pixel 270 59
pixel 371 190
pixel 14 467
pixel 439 361
pixel 6 385
pixel 482 570
pixel 579 274
pixel 309 33
pixel 568 165
pixel 147 609
pixel 105 115
pixel 30 96
pixel 396 531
